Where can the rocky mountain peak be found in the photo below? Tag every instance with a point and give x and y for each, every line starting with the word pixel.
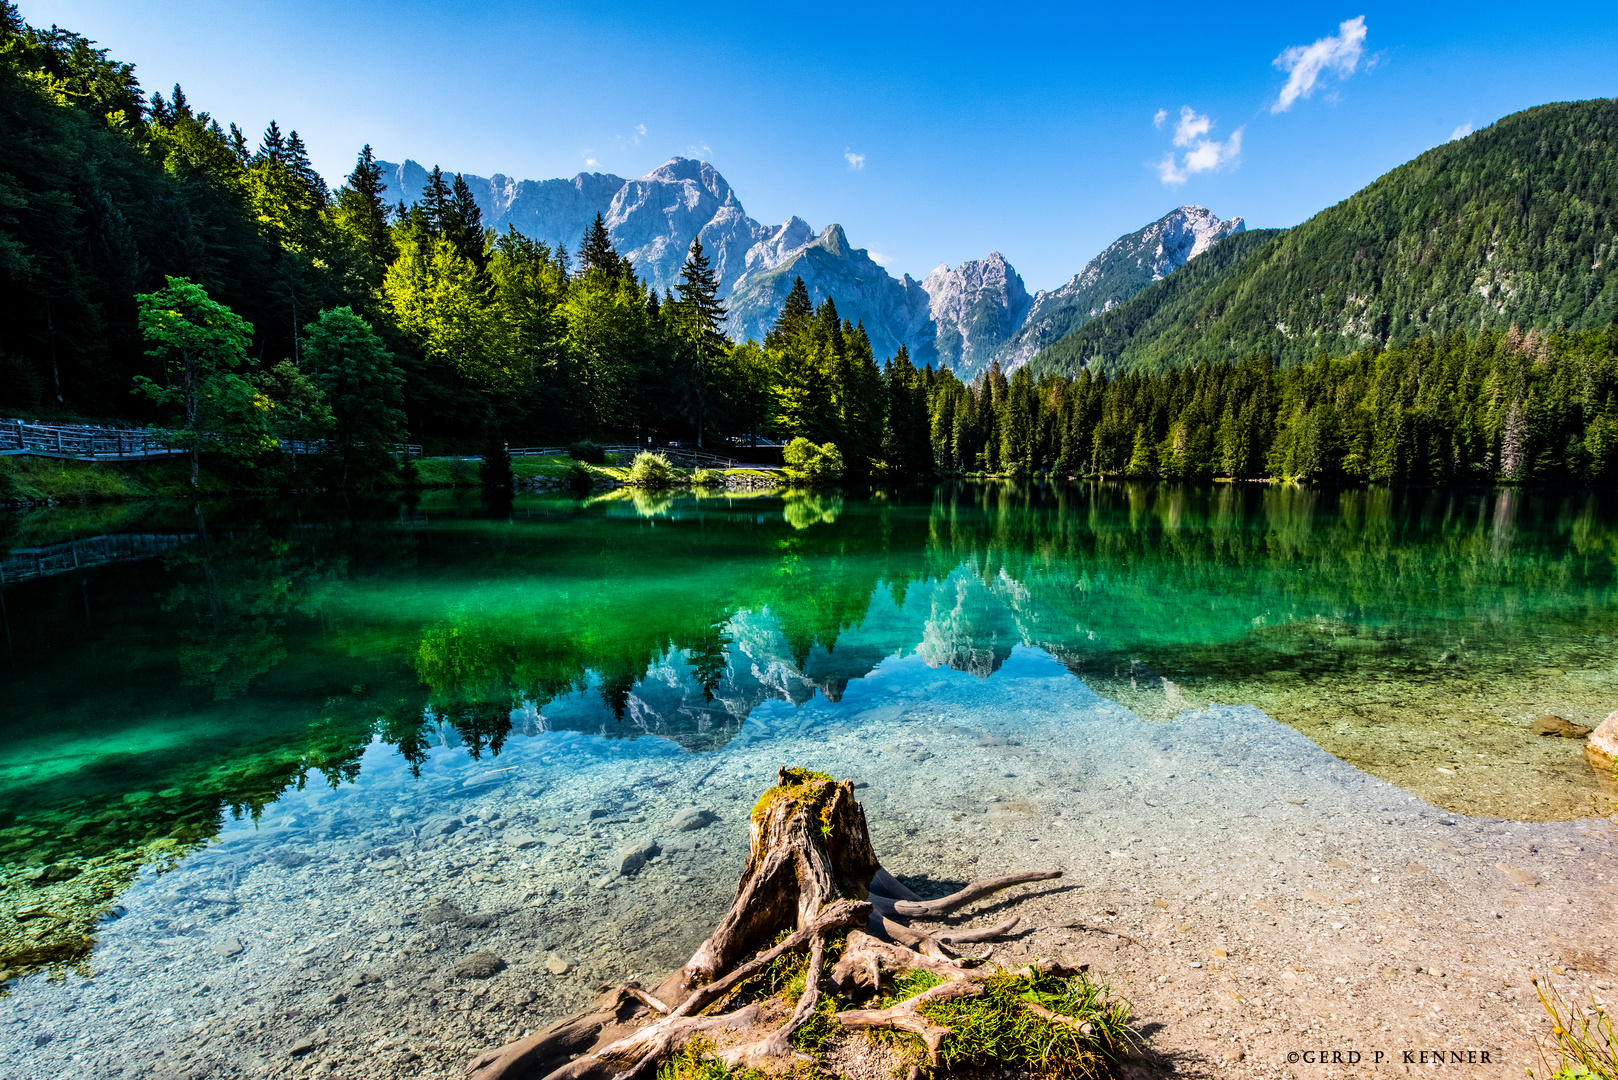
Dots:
pixel 976 307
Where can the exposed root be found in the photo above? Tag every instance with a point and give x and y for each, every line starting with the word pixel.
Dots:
pixel 838 915
pixel 777 1045
pixel 646 999
pixel 932 909
pixel 906 1017
pixel 1057 1018
pixel 811 872
pixel 865 960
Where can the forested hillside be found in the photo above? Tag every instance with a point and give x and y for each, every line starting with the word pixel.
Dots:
pixel 1511 226
pixel 1453 322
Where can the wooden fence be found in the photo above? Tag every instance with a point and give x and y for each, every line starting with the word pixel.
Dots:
pixel 88 442
pixel 22 564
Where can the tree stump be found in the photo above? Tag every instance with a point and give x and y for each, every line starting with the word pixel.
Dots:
pixel 811 872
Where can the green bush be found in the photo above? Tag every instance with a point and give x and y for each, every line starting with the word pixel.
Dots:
pixel 811 465
pixel 587 451
pixel 707 477
pixel 652 471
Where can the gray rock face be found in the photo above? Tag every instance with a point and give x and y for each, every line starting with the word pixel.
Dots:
pixel 1128 265
pixel 975 307
pixel 226 946
pixel 652 219
pixel 893 312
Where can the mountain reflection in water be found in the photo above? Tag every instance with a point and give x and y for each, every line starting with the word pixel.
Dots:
pixel 150 696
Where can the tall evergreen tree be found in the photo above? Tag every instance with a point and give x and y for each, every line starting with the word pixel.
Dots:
pixel 435 201
pixel 793 322
pixel 462 223
pixel 363 215
pixel 596 251
pixel 699 318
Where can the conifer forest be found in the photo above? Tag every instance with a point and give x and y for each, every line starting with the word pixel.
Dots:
pixel 163 267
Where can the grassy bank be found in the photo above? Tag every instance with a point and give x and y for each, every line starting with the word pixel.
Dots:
pixel 25 479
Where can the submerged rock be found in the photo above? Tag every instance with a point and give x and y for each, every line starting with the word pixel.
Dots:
pixel 1550 724
pixel 692 819
pixel 1602 749
pixel 633 858
pixel 480 965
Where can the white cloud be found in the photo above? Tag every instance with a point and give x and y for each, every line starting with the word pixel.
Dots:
pixel 701 153
pixel 590 161
pixel 1461 132
pixel 1158 118
pixel 879 258
pixel 1304 64
pixel 640 129
pixel 1202 153
pixel 1191 126
pixel 856 162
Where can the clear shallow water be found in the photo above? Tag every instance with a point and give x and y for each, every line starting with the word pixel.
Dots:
pixel 284 649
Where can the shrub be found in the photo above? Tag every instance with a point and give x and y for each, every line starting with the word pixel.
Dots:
pixel 580 479
pixel 587 451
pixel 707 477
pixel 651 471
pixel 808 464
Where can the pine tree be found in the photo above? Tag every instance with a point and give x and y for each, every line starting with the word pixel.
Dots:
pixel 363 215
pixel 699 315
pixel 596 251
pixel 435 202
pixel 793 322
pixel 461 222
pixel 297 160
pixel 272 147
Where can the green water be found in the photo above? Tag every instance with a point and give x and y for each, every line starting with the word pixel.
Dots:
pixel 153 697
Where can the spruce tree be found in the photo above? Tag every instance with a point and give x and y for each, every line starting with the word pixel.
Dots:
pixel 699 316
pixel 363 215
pixel 434 202
pixel 596 251
pixel 272 147
pixel 794 319
pixel 462 222
pixel 297 161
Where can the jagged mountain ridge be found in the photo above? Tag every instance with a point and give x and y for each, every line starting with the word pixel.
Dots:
pixel 893 312
pixel 975 307
pixel 1124 268
pixel 960 318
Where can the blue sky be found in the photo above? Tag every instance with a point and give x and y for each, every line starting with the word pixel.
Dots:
pixel 931 133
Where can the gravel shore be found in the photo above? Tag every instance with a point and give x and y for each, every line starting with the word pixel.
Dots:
pixel 1250 894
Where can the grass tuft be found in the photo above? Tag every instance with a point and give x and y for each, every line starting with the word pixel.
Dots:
pixel 995 1030
pixel 1583 1040
pixel 696 1060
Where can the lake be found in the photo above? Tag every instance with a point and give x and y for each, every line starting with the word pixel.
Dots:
pixel 249 693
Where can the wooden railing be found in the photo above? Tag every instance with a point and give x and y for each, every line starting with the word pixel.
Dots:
pixel 21 564
pixel 89 442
